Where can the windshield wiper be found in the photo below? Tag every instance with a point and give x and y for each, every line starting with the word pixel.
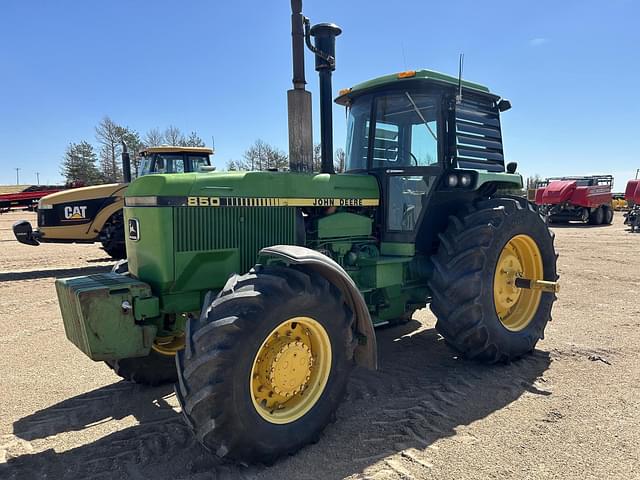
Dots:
pixel 415 107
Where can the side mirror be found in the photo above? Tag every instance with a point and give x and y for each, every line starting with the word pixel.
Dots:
pixel 511 167
pixel 504 105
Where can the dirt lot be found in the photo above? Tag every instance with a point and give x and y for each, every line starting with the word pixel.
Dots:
pixel 571 410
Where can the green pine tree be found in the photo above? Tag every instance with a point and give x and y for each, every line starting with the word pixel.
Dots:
pixel 79 164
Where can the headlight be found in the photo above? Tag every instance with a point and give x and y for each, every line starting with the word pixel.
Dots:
pixel 45 206
pixel 141 201
pixel 465 180
pixel 452 180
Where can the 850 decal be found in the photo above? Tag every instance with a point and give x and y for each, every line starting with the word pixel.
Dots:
pixel 280 202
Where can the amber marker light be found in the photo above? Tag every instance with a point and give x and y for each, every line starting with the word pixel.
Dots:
pixel 407 74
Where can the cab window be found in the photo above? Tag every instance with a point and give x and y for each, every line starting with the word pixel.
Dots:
pixel 406 131
pixel 197 161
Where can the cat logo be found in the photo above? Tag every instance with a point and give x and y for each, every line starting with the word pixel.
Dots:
pixel 75 213
pixel 134 229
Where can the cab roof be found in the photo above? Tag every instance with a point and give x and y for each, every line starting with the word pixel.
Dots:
pixel 409 75
pixel 175 149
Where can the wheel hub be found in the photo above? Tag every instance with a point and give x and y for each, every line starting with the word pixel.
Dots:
pixel 290 370
pixel 509 268
pixel 520 259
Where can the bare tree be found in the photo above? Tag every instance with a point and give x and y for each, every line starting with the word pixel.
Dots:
pixel 533 181
pixel 153 138
pixel 260 156
pixel 193 140
pixel 339 161
pixel 109 136
pixel 317 158
pixel 173 136
pixel 234 165
pixel 134 145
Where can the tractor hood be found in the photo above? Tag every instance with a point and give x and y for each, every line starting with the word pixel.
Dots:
pixel 558 191
pixel 177 243
pixel 284 188
pixel 83 193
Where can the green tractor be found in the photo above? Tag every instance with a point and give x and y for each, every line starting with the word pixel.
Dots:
pixel 262 358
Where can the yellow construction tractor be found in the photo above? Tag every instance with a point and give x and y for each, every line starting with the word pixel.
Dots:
pixel 619 202
pixel 94 214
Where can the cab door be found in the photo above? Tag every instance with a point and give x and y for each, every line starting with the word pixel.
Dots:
pixel 406 156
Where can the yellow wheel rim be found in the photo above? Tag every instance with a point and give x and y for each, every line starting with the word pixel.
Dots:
pixel 516 307
pixel 290 370
pixel 168 345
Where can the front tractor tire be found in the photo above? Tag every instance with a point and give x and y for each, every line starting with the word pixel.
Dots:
pixel 266 365
pixel 480 311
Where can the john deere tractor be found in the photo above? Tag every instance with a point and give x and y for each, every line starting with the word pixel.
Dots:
pixel 260 291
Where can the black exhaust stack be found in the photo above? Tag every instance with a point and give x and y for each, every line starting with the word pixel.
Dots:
pixel 126 164
pixel 324 35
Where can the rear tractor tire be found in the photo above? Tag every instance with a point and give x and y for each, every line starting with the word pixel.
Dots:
pixel 266 365
pixel 112 236
pixel 480 312
pixel 157 368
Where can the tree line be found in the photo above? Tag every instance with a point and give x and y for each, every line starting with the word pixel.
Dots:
pixel 263 156
pixel 85 163
pixel 91 164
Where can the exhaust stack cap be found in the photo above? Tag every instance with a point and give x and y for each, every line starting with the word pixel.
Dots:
pixel 325 41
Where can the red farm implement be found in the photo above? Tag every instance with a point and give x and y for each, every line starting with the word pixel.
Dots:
pixel 585 199
pixel 632 196
pixel 28 198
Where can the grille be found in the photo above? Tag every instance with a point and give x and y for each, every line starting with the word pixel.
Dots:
pixel 246 228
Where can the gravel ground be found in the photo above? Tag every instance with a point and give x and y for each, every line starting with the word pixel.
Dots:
pixel 570 410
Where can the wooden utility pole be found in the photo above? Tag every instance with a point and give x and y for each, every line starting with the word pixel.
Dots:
pixel 18 175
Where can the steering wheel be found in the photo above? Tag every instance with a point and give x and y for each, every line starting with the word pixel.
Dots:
pixel 401 153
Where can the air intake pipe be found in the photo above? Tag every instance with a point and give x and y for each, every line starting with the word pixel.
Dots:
pixel 299 99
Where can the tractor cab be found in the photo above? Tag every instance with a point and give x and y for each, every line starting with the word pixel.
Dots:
pixel 171 159
pixel 417 134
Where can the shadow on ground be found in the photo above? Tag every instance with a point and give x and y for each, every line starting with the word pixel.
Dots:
pixel 577 225
pixel 53 273
pixel 420 394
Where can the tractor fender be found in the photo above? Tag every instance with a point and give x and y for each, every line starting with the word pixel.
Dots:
pixel 96 226
pixel 366 353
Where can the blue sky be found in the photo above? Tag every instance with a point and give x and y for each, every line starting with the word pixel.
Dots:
pixel 570 69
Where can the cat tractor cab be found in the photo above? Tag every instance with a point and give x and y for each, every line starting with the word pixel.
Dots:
pixel 94 214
